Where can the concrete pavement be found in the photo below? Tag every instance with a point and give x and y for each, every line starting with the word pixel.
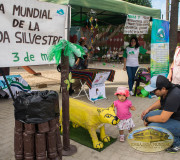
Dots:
pixel 116 151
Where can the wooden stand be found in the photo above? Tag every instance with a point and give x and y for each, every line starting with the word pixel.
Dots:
pixel 37 141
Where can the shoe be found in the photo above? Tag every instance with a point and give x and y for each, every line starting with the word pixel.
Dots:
pixel 173 149
pixel 121 138
pixel 131 93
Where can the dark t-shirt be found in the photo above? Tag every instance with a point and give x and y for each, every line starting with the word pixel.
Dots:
pixel 171 103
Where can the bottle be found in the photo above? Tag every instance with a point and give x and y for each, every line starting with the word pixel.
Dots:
pixel 28 146
pixel 43 127
pixel 29 128
pixel 58 143
pixel 53 125
pixel 57 121
pixel 18 126
pixel 18 145
pixel 40 140
pixel 51 145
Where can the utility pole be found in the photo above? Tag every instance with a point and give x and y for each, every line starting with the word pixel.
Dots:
pixel 167 10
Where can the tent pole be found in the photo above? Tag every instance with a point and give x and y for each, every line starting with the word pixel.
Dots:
pixel 68 149
pixel 81 15
pixel 7 84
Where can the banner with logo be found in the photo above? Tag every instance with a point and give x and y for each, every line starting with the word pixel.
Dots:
pixel 136 24
pixel 17 84
pixel 160 47
pixel 28 28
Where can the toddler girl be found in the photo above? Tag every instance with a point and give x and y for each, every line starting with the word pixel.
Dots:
pixel 122 106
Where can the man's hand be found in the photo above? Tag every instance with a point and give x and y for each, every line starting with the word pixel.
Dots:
pixel 145 123
pixel 144 113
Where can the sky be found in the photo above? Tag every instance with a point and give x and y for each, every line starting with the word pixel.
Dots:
pixel 161 4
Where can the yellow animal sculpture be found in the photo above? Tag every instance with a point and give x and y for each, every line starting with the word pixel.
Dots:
pixel 91 118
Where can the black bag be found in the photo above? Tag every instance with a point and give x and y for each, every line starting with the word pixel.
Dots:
pixel 37 106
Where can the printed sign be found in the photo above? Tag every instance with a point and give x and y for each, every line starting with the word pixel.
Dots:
pixel 136 24
pixel 100 78
pixel 98 87
pixel 160 47
pixel 97 92
pixel 150 139
pixel 28 28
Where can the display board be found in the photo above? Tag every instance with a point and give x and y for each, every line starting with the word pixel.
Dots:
pixel 160 47
pixel 98 91
pixel 28 28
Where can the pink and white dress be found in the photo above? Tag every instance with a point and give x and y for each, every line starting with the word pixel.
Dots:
pixel 124 114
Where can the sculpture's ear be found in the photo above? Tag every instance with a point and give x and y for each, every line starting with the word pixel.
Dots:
pixel 99 110
pixel 114 108
pixel 112 105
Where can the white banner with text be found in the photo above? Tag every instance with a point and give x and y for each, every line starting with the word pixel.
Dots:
pixel 28 28
pixel 136 24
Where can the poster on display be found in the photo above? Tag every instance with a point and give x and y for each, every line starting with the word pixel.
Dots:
pixel 100 78
pixel 97 92
pixel 17 84
pixel 160 47
pixel 28 28
pixel 136 24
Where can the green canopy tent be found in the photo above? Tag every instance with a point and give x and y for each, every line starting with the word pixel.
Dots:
pixel 107 11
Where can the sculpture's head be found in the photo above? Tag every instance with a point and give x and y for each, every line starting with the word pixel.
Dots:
pixel 108 115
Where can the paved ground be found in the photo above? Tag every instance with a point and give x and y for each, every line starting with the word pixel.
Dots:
pixel 116 151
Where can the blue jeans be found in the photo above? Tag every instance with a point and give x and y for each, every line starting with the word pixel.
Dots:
pixel 131 71
pixel 171 125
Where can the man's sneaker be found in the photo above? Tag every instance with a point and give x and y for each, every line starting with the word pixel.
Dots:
pixel 121 138
pixel 131 93
pixel 173 149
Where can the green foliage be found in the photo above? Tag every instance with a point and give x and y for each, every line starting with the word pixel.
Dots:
pixel 146 3
pixel 127 37
pixel 147 37
pixel 144 58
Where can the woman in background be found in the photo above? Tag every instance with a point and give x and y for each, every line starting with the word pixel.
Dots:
pixel 131 62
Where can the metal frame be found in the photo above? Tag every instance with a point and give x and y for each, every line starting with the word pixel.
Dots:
pixel 83 89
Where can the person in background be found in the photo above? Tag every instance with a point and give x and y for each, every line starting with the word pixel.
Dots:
pixel 79 64
pixel 82 63
pixel 108 56
pixel 122 106
pixel 131 63
pixel 174 72
pixel 168 114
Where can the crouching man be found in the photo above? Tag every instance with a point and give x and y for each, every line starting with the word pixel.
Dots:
pixel 168 115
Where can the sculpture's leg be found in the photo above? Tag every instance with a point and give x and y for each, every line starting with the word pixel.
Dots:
pixel 103 135
pixel 96 143
pixel 75 125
